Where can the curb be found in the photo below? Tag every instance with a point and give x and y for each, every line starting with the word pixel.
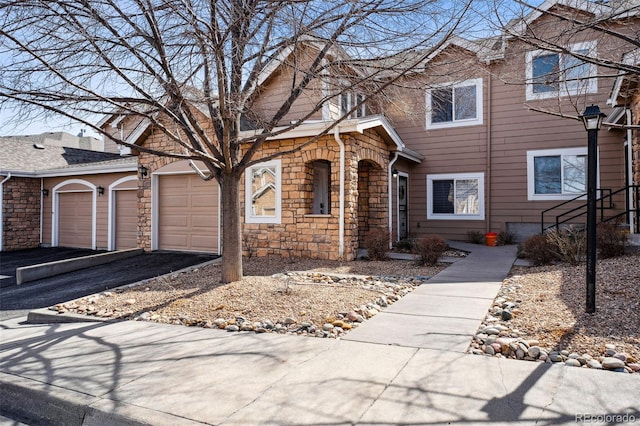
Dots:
pixel 49 269
pixel 60 406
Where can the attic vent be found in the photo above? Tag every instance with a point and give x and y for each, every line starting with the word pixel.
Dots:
pixel 38 146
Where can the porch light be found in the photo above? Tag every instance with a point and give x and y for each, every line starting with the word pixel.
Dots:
pixel 394 173
pixel 101 190
pixel 45 192
pixel 143 170
pixel 592 118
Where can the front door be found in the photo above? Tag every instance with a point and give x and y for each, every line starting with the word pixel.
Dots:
pixel 402 208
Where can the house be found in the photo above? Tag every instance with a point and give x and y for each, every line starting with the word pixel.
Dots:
pixel 460 146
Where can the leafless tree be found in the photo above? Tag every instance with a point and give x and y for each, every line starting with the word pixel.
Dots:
pixel 613 28
pixel 193 69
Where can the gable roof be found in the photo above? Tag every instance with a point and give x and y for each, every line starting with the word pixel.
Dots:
pixel 26 158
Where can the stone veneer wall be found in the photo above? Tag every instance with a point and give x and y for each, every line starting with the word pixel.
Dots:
pixel 20 213
pixel 635 146
pixel 300 233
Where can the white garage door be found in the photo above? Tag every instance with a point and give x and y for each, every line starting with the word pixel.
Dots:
pixel 126 209
pixel 187 213
pixel 74 219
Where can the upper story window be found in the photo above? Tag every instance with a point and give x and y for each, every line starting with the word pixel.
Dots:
pixel 348 101
pixel 556 174
pixel 263 188
pixel 552 74
pixel 452 105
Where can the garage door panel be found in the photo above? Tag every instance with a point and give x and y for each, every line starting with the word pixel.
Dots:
pixel 126 209
pixel 188 213
pixel 75 219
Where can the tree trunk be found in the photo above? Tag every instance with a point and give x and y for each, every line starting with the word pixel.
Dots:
pixel 231 228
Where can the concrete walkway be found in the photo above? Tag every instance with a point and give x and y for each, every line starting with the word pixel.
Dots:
pixel 128 373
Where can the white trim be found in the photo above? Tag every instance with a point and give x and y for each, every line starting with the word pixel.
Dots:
pixel 478 120
pixel 531 155
pixel 572 88
pixel 111 209
pixel 155 208
pixel 248 211
pixel 453 216
pixel 55 204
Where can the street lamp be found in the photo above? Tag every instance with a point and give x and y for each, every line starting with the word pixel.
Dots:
pixel 592 119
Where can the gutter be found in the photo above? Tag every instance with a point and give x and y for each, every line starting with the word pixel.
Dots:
pixel 632 215
pixel 2 207
pixel 336 135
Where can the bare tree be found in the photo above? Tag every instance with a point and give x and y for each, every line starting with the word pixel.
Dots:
pixel 193 69
pixel 580 41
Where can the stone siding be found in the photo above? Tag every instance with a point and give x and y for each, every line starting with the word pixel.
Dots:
pixel 21 213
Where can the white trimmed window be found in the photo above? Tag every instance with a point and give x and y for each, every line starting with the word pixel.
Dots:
pixel 556 174
pixel 553 74
pixel 349 100
pixel 263 193
pixel 457 196
pixel 455 104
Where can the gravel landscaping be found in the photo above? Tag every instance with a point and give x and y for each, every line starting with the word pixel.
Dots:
pixel 538 314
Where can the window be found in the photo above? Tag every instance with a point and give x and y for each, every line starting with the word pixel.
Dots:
pixel 551 74
pixel 455 196
pixel 349 100
pixel 556 174
pixel 457 104
pixel 321 184
pixel 263 193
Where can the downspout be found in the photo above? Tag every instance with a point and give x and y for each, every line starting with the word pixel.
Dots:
pixel 632 215
pixel 488 179
pixel 336 135
pixel 2 207
pixel 41 208
pixel 389 180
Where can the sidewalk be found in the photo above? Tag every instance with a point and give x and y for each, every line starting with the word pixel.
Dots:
pixel 127 373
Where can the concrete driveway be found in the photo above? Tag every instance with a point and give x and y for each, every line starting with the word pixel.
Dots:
pixel 16 301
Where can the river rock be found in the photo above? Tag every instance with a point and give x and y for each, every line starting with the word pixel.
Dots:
pixel 611 363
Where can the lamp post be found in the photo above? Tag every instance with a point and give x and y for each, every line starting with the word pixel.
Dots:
pixel 592 119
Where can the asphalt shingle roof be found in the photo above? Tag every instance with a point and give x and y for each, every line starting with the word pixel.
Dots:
pixel 26 156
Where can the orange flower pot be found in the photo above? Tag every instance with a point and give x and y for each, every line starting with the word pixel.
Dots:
pixel 491 238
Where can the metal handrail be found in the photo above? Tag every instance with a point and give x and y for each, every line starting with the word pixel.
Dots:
pixel 601 208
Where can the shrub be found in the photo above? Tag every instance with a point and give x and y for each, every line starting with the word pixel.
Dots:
pixel 611 240
pixel 538 250
pixel 475 237
pixel 429 249
pixel 505 237
pixel 377 244
pixel 570 244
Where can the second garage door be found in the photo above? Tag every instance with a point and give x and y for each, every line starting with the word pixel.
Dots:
pixel 74 219
pixel 187 213
pixel 126 218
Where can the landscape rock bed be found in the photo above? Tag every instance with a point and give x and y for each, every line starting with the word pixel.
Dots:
pixel 539 316
pixel 366 294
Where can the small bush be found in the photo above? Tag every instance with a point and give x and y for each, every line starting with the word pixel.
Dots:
pixel 505 237
pixel 538 250
pixel 429 249
pixel 570 244
pixel 377 244
pixel 611 240
pixel 475 237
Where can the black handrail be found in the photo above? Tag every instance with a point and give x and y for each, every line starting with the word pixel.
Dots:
pixel 580 207
pixel 601 207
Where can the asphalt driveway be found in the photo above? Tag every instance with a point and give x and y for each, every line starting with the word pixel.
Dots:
pixel 16 301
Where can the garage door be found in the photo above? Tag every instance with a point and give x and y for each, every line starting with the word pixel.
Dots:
pixel 74 219
pixel 126 219
pixel 187 213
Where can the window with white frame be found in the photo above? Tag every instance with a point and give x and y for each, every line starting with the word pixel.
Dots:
pixel 556 174
pixel 455 104
pixel 263 189
pixel 552 74
pixel 457 196
pixel 349 100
